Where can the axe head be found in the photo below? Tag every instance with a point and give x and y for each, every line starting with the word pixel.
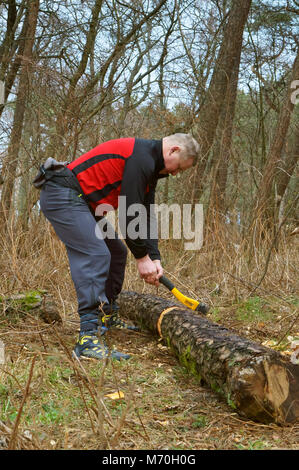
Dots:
pixel 202 308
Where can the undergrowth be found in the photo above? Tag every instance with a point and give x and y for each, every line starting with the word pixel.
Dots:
pixel 48 400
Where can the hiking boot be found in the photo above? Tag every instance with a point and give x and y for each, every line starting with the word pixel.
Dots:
pixel 111 319
pixel 114 321
pixel 90 347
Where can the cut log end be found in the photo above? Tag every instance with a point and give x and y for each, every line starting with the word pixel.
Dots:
pixel 266 390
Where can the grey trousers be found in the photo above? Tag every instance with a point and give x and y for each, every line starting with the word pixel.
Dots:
pixel 97 265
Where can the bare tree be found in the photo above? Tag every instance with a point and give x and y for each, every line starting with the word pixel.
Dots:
pixel 12 47
pixel 209 112
pixel 285 171
pixel 222 150
pixel 10 162
pixel 264 214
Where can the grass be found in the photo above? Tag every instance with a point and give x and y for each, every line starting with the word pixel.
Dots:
pixel 255 445
pixel 200 422
pixel 67 406
pixel 254 309
pixel 64 405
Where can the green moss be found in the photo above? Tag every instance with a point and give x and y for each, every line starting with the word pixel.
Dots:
pixel 31 299
pixel 23 302
pixel 233 362
pixel 230 402
pixel 216 388
pixel 189 363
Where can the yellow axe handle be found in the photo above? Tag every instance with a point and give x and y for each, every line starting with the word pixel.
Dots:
pixel 190 303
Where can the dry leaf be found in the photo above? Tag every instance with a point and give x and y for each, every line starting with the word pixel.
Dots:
pixel 164 423
pixel 116 395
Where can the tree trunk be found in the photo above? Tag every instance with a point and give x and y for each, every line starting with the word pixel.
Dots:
pixel 222 150
pixel 264 211
pixel 68 116
pixel 8 75
pixel 287 169
pixel 10 162
pixel 8 46
pixel 257 382
pixel 210 111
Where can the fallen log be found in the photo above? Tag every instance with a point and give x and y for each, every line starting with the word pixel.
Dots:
pixel 257 382
pixel 35 302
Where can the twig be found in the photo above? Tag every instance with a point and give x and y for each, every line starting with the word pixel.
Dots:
pixel 249 285
pixel 120 424
pixel 42 340
pixel 271 248
pixel 11 375
pixel 288 330
pixel 76 363
pixel 268 292
pixel 11 444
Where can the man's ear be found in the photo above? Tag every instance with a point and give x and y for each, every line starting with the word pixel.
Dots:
pixel 174 148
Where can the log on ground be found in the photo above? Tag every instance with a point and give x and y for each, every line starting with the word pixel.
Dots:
pixel 257 382
pixel 37 303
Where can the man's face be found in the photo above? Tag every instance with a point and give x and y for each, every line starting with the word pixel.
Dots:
pixel 174 164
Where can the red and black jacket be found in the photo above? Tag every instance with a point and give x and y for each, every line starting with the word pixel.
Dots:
pixel 123 167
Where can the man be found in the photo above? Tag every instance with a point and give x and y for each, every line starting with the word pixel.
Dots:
pixel 71 197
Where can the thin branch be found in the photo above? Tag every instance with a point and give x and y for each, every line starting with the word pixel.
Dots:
pixel 12 442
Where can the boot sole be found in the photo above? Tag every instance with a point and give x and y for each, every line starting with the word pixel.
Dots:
pixel 85 358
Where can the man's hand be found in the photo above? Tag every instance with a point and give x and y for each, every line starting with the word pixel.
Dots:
pixel 150 270
pixel 159 268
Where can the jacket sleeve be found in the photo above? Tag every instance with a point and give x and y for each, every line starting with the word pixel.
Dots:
pixel 133 215
pixel 152 227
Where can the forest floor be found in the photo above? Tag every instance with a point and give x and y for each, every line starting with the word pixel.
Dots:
pixel 48 400
pixel 51 401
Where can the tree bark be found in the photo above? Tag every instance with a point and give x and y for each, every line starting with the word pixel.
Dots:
pixel 10 162
pixel 9 74
pixel 210 111
pixel 257 382
pixel 222 150
pixel 264 213
pixel 287 168
pixel 67 118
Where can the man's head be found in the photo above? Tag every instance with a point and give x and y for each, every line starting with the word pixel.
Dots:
pixel 180 152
